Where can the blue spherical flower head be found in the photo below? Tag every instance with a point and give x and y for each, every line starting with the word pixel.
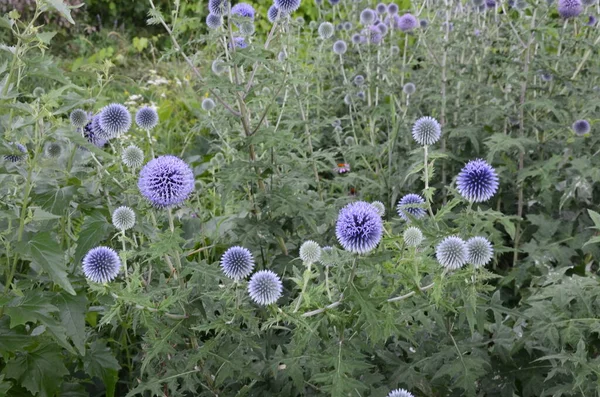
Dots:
pixel 214 21
pixel 93 133
pixel 569 8
pixel 146 118
pixel 426 131
pixel 274 14
pixel 15 158
pixel 374 35
pixel 480 251
pixel 287 6
pixel 581 127
pixel 237 263
pixel 400 393
pixel 340 47
pixel 408 22
pixel 218 7
pixel 115 120
pixel 347 25
pixel 101 265
pixel 392 8
pixel 452 253
pixel 326 30
pixel 334 2
pixel 359 227
pixel 477 181
pixel 592 20
pixel 239 42
pixel 78 118
pixel 381 8
pixel 166 181
pixel 265 287
pixel 244 10
pixel 411 204
pixel 367 17
pixel 423 23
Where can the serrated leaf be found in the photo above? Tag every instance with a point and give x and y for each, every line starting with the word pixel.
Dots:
pixel 62 8
pixel 101 363
pixel 30 308
pixel 12 340
pixel 41 215
pixel 47 253
pixel 94 229
pixel 72 317
pixel 45 37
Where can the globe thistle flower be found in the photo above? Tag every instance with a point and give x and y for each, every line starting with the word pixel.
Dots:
pixel 348 99
pixel 367 17
pixel 479 251
pixel 409 89
pixel 218 7
pixel 310 252
pixel 93 133
pixel 214 21
pixel 374 35
pixel 347 25
pixel 239 42
pixel 400 393
pixel 381 8
pixel 411 204
pixel 591 21
pixel 78 118
pixel 382 28
pixel 300 21
pixel 349 141
pixel 326 30
pixel 569 8
pixel 243 10
pixel 146 118
pixel 237 263
pixel 477 181
pixel 413 237
pixel 132 156
pixel 490 3
pixel 358 39
pixel 38 92
pixel 340 47
pixel 546 76
pixel 287 6
pixel 394 50
pixel 265 287
pixel 360 95
pixel 392 8
pixel 423 23
pixel 581 127
pixel 208 104
pixel 359 227
pixel 53 150
pixel 123 218
pixel 15 158
pixel 114 120
pixel 359 80
pixel 273 14
pixel 426 131
pixel 101 264
pixel 452 253
pixel 247 28
pixel 408 22
pixel 334 2
pixel 166 181
pixel 379 207
pixel 218 66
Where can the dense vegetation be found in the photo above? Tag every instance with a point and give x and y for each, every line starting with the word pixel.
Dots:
pixel 119 268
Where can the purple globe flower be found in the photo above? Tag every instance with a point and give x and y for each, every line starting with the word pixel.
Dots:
pixel 581 127
pixel 569 8
pixel 591 21
pixel 423 23
pixel 94 134
pixel 101 265
pixel 347 25
pixel 214 21
pixel 426 131
pixel 358 39
pixel 452 253
pixel 411 204
pixel 383 28
pixel 115 119
pixel 367 17
pixel 15 158
pixel 408 22
pixel 265 287
pixel 490 3
pixel 239 42
pixel 381 8
pixel 166 181
pixel 274 14
pixel 287 6
pixel 218 7
pixel 477 181
pixel 359 227
pixel 392 8
pixel 340 47
pixel 244 10
pixel 146 118
pixel 334 2
pixel 237 263
pixel 374 35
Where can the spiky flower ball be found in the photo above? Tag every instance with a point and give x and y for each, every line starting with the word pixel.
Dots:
pixel 326 30
pixel 237 263
pixel 394 50
pixel 381 8
pixel 273 14
pixel 38 92
pixel 367 17
pixel 214 21
pixel 426 131
pixel 592 21
pixel 480 251
pixel 400 393
pixel 347 25
pixel 374 35
pixel 411 204
pixel 101 264
pixel 413 237
pixel 340 47
pixel 287 6
pixel 166 181
pixel 78 118
pixel 359 227
pixel 114 120
pixel 452 253
pixel 408 22
pixel 247 28
pixel 146 118
pixel 581 127
pixel 218 66
pixel 239 42
pixel 423 23
pixel 53 150
pixel 310 252
pixel 358 39
pixel 379 207
pixel 265 287
pixel 392 8
pixel 244 10
pixel 569 8
pixel 218 7
pixel 93 133
pixel 15 158
pixel 409 89
pixel 123 218
pixel 477 181
pixel 359 80
pixel 132 156
pixel 382 28
pixel 208 104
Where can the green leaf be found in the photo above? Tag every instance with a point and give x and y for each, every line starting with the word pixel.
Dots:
pixel 72 316
pixel 94 229
pixel 12 340
pixel 30 308
pixel 45 37
pixel 62 8
pixel 41 215
pixel 40 371
pixel 595 217
pixel 47 253
pixel 101 363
